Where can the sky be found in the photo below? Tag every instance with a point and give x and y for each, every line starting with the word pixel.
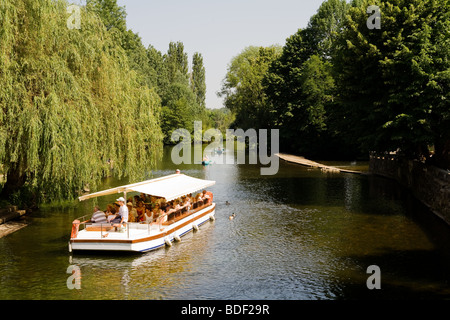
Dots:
pixel 219 30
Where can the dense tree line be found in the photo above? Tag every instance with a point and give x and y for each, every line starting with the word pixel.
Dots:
pixel 182 91
pixel 73 101
pixel 341 88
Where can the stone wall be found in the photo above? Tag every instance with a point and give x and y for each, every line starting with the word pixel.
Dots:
pixel 429 184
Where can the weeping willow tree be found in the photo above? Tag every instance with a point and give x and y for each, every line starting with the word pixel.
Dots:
pixel 69 103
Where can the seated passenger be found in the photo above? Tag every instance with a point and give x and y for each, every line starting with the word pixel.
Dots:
pixel 143 197
pixel 132 217
pixel 122 215
pixel 108 209
pixel 140 210
pixel 110 213
pixel 207 197
pixel 148 215
pixel 176 205
pixel 115 217
pixel 116 207
pixel 162 216
pixel 187 204
pixel 199 199
pixel 98 216
pixel 155 211
pixel 169 209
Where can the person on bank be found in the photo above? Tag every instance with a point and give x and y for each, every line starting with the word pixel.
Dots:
pixel 98 216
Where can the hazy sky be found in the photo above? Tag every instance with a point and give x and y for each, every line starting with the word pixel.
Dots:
pixel 219 30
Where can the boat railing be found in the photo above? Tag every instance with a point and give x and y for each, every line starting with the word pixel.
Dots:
pixel 81 221
pixel 183 212
pixel 84 223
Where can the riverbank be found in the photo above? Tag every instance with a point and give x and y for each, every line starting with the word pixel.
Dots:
pixel 312 164
pixel 11 220
pixel 429 184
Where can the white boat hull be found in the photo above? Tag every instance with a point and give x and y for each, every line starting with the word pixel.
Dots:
pixel 140 237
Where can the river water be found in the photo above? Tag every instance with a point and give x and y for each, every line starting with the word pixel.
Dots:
pixel 298 235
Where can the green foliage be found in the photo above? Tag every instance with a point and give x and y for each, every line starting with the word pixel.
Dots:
pixel 69 103
pixel 325 26
pixel 176 61
pixel 220 119
pixel 396 79
pixel 243 90
pixel 158 70
pixel 111 14
pixel 341 87
pixel 180 92
pixel 167 74
pixel 301 87
pixel 179 110
pixel 114 18
pixel 198 81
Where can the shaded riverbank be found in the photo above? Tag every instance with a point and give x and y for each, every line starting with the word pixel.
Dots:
pixel 429 184
pixel 11 220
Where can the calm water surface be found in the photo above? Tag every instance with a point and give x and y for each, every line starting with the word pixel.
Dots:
pixel 301 234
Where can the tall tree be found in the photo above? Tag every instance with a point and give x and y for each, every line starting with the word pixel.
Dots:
pixel 394 82
pixel 325 25
pixel 180 109
pixel 69 103
pixel 198 81
pixel 177 63
pixel 243 90
pixel 301 87
pixel 112 15
pixel 158 70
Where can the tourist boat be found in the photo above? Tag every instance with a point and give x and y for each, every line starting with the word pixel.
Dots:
pixel 152 234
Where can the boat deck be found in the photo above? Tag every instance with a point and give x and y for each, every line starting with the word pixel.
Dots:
pixel 133 231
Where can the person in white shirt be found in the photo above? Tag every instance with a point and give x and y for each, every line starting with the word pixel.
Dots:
pixel 122 216
pixel 123 211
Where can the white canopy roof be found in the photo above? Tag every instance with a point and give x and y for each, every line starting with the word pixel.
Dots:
pixel 168 187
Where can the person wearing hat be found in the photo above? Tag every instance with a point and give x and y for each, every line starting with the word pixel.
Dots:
pixel 122 216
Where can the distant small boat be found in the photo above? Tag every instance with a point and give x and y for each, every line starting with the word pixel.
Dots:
pixel 207 162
